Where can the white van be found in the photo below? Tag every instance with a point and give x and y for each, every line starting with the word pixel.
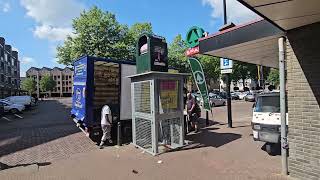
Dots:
pixel 27 101
pixel 266 120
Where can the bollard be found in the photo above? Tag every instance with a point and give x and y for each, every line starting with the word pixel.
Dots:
pixel 119 134
pixel 207 118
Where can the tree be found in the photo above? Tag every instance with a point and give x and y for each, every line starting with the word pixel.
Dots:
pixel 133 34
pixel 211 66
pixel 29 84
pixel 98 33
pixel 179 61
pixel 47 83
pixel 176 55
pixel 243 71
pixel 273 77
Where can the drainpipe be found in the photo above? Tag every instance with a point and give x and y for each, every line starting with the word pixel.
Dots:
pixel 284 142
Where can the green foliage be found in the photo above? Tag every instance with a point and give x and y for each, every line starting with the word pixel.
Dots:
pixel 176 56
pixel 242 71
pixel 29 84
pixel 179 60
pixel 133 34
pixel 273 77
pixel 211 66
pixel 47 83
pixel 98 33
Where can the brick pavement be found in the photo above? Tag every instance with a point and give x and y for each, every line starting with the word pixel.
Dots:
pixel 43 135
pixel 217 152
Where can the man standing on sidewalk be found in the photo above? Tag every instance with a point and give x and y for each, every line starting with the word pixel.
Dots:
pixel 106 122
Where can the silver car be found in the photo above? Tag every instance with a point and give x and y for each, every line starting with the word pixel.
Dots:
pixel 216 100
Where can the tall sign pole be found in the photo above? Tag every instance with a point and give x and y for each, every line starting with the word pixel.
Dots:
pixel 228 73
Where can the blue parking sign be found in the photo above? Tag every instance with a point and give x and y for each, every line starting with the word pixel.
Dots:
pixel 226 63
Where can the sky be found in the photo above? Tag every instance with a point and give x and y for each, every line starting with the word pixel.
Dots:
pixel 35 27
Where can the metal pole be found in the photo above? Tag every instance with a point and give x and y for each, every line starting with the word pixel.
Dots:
pixel 119 143
pixel 207 118
pixel 225 20
pixel 229 102
pixel 284 144
pixel 225 12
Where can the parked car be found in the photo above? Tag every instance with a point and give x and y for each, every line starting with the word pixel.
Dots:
pixel 12 108
pixel 242 95
pixel 223 95
pixel 234 96
pixel 250 97
pixel 27 101
pixel 216 100
pixel 266 121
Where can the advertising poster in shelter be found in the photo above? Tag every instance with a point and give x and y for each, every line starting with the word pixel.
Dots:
pixel 168 96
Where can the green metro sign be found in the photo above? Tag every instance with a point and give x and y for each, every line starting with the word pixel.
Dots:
pixel 193 36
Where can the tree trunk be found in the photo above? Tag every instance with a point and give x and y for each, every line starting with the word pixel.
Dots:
pixel 243 83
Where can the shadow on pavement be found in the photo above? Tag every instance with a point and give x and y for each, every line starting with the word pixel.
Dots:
pixel 207 138
pixel 49 121
pixel 5 166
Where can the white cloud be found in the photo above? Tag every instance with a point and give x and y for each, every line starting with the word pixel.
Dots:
pixel 54 17
pixel 236 12
pixel 52 33
pixel 27 60
pixel 5 6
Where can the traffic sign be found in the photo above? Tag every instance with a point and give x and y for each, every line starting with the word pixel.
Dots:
pixel 226 63
pixel 226 71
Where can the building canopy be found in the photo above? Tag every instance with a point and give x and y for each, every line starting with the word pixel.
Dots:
pixel 257 42
pixel 286 14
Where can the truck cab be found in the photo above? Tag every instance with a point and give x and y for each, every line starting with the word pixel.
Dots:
pixel 266 120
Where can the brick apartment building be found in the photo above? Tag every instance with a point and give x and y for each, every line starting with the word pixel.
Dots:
pixel 63 78
pixel 9 70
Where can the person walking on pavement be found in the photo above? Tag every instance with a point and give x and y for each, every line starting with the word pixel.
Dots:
pixel 194 111
pixel 106 122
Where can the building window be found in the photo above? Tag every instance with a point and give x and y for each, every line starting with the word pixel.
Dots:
pixel 58 88
pixel 1 53
pixel 2 78
pixel 58 82
pixel 55 77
